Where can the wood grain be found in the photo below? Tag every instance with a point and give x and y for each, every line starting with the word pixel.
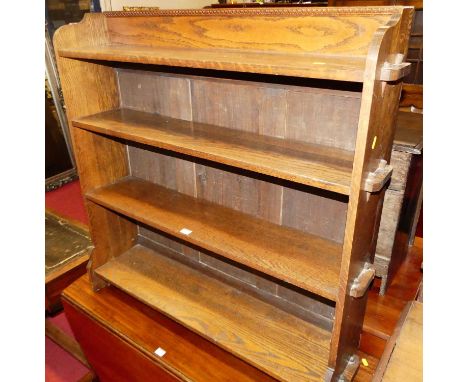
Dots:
pixel 400 161
pixel 311 111
pixel 314 165
pixel 321 47
pixel 367 3
pixel 322 31
pixel 97 92
pixel 412 96
pixel 345 44
pixel 96 318
pixel 283 296
pixel 296 350
pixel 249 106
pixel 329 118
pixel 402 358
pixel 111 357
pixel 374 143
pixel 269 248
pixel 383 312
pixel 329 44
pixel 189 355
pixel 390 216
pixel 347 68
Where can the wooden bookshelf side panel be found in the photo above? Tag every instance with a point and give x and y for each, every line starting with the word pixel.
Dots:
pixel 112 236
pixel 374 143
pixel 90 88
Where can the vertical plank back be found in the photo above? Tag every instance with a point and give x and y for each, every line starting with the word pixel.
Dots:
pixel 246 105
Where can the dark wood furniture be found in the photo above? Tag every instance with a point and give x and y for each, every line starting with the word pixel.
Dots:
pixel 415 49
pixel 314 3
pixel 104 323
pixel 67 252
pixel 403 198
pixel 403 355
pixel 234 177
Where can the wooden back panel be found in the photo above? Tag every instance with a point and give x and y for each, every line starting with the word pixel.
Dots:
pixel 269 109
pixel 302 113
pixel 309 113
pixel 317 30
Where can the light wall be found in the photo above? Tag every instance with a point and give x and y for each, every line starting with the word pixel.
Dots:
pixel 116 5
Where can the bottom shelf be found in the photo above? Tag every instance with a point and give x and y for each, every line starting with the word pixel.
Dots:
pixel 272 340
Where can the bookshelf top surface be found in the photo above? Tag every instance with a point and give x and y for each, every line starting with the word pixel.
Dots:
pixel 322 43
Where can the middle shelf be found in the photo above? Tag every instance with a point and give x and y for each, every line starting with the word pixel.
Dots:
pixel 307 261
pixel 315 165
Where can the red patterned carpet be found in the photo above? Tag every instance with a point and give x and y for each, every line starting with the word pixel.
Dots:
pixel 67 201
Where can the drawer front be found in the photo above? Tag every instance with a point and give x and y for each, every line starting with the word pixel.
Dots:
pixel 400 161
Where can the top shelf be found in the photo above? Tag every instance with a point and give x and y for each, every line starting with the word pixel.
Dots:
pixel 325 43
pixel 311 65
pixel 314 165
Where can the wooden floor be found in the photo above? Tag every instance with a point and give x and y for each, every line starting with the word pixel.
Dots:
pixel 383 312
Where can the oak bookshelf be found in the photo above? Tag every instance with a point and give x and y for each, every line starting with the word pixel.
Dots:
pixel 234 163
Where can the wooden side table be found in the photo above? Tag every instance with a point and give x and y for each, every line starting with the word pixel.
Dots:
pixel 120 335
pixel 67 250
pixel 66 256
pixel 403 198
pixel 125 340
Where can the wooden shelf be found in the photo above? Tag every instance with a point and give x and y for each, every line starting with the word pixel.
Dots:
pixel 311 65
pixel 313 165
pixel 274 341
pixel 304 260
pixel 185 62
